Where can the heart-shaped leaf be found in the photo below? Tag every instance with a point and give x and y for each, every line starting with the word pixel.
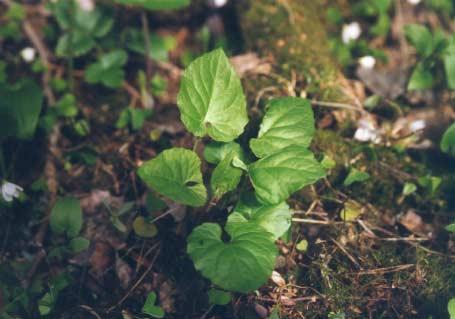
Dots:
pixel 276 219
pixel 242 264
pixel 215 152
pixel 66 217
pixel 277 176
pixel 211 99
pixel 176 173
pixel 20 107
pixel 143 228
pixel 287 121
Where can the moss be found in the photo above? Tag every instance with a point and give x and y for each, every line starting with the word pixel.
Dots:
pixel 293 34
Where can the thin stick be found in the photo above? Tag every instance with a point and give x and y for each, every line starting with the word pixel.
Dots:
pixel 337 105
pixel 147 44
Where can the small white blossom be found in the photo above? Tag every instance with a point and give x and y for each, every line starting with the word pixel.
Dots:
pixel 366 131
pixel 86 5
pixel 10 191
pixel 350 32
pixel 367 62
pixel 28 54
pixel 417 125
pixel 218 3
pixel 414 2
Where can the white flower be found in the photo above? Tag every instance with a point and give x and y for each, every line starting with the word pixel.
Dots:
pixel 417 125
pixel 366 131
pixel 10 191
pixel 28 54
pixel 367 62
pixel 350 32
pixel 86 5
pixel 414 2
pixel 219 3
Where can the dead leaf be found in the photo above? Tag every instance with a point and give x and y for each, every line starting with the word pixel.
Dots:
pixel 278 279
pixel 124 272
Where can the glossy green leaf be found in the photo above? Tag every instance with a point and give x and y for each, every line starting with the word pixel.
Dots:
pixel 219 297
pixel 242 264
pixel 276 219
pixel 355 176
pixel 150 308
pixel 211 99
pixel 66 217
pixel 287 121
pixel 277 176
pixel 448 141
pixel 157 4
pixel 421 78
pixel 409 188
pixel 176 174
pixel 421 38
pixel 302 245
pixel 20 107
pixel 108 70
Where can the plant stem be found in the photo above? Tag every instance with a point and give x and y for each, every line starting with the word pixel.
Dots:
pixel 70 49
pixel 2 164
pixel 196 143
pixel 147 45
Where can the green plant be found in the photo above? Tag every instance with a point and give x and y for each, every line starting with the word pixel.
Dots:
pixel 212 103
pixel 451 308
pixel 133 118
pixel 82 29
pixel 150 309
pixel 379 10
pixel 108 70
pixel 436 58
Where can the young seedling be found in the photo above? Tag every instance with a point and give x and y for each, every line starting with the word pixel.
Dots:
pixel 212 104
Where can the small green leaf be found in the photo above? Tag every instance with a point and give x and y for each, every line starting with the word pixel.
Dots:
pixel 430 183
pixel 211 99
pixel 287 121
pixel 79 244
pixel 302 245
pixel 225 176
pixel 157 4
pixel 67 106
pixel 76 45
pixel 176 173
pixel 327 162
pixel 277 176
pixel 421 78
pixel 160 46
pixel 66 217
pixel 108 70
pixel 450 228
pixel 355 176
pixel 451 308
pixel 219 297
pixel 275 219
pixel 448 140
pixel 143 228
pixel 20 107
pixel 215 152
pixel 351 211
pixel 150 308
pixel 242 264
pixel 421 38
pixel 409 188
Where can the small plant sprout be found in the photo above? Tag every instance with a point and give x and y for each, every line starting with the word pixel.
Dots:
pixel 212 104
pixel 10 191
pixel 351 32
